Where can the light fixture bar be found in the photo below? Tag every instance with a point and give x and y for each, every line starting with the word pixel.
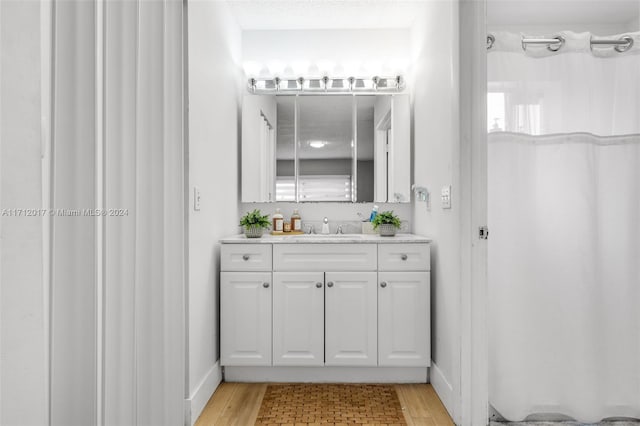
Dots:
pixel 325 85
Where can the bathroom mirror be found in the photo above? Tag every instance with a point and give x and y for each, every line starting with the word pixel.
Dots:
pixel 348 148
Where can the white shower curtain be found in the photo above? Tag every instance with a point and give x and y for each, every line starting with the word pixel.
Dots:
pixel 564 215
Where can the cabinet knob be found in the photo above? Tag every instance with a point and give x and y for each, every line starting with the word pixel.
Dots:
pixel 383 284
pixel 265 285
pixel 404 257
pixel 245 257
pixel 330 284
pixel 319 285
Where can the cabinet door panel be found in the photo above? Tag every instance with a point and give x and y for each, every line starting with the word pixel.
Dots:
pixel 298 318
pixel 351 319
pixel 403 319
pixel 245 318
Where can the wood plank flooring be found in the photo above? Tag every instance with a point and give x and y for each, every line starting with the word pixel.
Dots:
pixel 237 404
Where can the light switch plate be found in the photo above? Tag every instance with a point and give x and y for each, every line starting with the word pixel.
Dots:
pixel 196 198
pixel 446 197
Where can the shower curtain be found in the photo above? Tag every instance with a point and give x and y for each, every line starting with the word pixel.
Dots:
pixel 564 216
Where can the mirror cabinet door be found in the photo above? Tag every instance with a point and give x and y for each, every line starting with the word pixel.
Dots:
pixel 259 118
pixel 392 149
pixel 325 148
pixel 286 165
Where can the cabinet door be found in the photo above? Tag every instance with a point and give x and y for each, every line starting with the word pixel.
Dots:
pixel 298 318
pixel 245 318
pixel 351 318
pixel 404 331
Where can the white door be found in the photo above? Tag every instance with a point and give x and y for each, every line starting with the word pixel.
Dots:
pixel 298 318
pixel 403 319
pixel 245 318
pixel 351 318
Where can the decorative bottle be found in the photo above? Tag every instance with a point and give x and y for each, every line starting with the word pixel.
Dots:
pixel 278 221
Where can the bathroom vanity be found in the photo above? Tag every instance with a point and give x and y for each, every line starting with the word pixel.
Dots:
pixel 357 306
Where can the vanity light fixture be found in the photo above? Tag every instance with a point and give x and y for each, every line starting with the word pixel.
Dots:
pixel 334 85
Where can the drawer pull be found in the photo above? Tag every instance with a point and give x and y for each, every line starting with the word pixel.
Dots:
pixel 246 257
pixel 265 285
pixel 319 285
pixel 404 257
pixel 330 284
pixel 383 284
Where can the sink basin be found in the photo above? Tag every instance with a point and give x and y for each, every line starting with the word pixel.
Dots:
pixel 327 236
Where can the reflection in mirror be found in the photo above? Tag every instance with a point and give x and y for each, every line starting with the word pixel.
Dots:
pixel 325 148
pixel 285 149
pixel 365 151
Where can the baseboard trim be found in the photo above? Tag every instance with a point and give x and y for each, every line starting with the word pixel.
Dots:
pixel 199 398
pixel 327 374
pixel 442 387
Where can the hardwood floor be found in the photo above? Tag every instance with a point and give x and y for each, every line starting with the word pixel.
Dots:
pixel 238 404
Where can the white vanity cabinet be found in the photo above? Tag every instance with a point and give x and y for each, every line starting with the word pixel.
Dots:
pixel 404 334
pixel 328 316
pixel 325 304
pixel 246 308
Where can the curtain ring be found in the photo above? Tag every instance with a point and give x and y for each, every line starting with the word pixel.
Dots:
pixel 490 40
pixel 629 45
pixel 556 46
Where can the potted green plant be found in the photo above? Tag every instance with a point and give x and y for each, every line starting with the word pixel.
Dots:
pixel 387 223
pixel 255 223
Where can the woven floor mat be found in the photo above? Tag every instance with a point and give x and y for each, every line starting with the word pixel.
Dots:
pixel 330 404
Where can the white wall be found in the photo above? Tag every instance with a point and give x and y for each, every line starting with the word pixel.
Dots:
pixel 538 18
pixel 214 70
pixel 23 318
pixel 436 164
pixel 336 52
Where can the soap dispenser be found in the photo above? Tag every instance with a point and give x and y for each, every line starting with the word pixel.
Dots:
pixel 278 221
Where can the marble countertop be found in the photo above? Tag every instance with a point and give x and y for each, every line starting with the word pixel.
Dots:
pixel 325 239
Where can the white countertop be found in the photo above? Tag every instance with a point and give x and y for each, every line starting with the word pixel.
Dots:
pixel 325 239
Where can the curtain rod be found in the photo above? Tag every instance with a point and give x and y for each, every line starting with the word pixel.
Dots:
pixel 554 44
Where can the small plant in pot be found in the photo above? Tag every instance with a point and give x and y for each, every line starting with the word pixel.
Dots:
pixel 387 223
pixel 255 223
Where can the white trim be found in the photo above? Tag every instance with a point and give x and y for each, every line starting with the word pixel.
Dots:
pixel 442 387
pixel 327 374
pixel 474 390
pixel 99 204
pixel 46 52
pixel 199 398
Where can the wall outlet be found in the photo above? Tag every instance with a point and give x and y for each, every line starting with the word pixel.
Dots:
pixel 446 197
pixel 196 198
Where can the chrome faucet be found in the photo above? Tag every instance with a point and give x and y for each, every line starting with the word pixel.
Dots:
pixel 325 226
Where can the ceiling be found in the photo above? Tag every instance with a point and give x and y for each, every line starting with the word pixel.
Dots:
pixel 325 14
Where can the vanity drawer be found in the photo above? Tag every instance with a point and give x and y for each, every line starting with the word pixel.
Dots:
pixel 245 257
pixel 324 257
pixel 403 257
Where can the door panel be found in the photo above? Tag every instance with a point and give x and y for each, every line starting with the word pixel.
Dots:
pixel 403 319
pixel 351 318
pixel 245 318
pixel 298 318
